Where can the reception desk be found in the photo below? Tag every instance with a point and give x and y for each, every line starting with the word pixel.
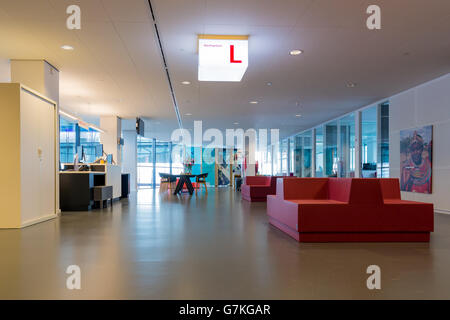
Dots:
pixel 76 189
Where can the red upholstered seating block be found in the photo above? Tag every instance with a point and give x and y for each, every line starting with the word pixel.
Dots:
pixel 346 209
pixel 256 188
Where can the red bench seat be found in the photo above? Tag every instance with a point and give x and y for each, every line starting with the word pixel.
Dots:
pixel 345 209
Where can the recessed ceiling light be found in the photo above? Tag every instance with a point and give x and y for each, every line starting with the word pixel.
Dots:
pixel 269 83
pixel 188 114
pixel 295 52
pixel 67 47
pixel 351 85
pixel 236 123
pixel 254 102
pixel 185 82
pixel 298 115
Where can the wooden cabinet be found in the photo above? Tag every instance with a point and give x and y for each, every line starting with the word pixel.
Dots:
pixel 28 128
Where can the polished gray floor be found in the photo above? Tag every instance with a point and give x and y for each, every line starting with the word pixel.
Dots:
pixel 160 246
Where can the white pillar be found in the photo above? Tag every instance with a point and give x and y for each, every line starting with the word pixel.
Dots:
pixel 5 70
pixel 129 161
pixel 39 75
pixel 111 137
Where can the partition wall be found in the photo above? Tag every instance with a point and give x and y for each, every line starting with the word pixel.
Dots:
pixel 332 149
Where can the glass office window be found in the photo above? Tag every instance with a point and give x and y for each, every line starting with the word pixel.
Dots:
pixel 319 152
pixel 346 165
pixel 369 142
pixel 291 155
pixel 298 155
pixel 383 146
pixel 284 157
pixel 144 161
pixel 67 140
pixel 331 154
pixel 89 139
pixel 276 157
pixel 307 154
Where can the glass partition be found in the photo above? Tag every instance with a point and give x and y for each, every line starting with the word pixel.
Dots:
pixel 369 142
pixel 319 152
pixel 383 147
pixel 331 154
pixel 291 155
pixel 284 157
pixel 346 165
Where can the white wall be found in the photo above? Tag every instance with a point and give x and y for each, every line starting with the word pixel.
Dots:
pixel 129 161
pixel 109 138
pixel 427 104
pixel 5 70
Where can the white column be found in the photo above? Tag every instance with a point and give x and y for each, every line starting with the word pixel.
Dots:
pixel 39 75
pixel 111 137
pixel 358 144
pixel 129 161
pixel 5 70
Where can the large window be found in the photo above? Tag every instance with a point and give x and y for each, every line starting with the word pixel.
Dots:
pixel 89 139
pixel 145 161
pixel 72 136
pixel 346 167
pixel 67 140
pixel 319 152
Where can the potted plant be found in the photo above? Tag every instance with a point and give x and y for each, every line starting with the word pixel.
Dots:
pixel 188 164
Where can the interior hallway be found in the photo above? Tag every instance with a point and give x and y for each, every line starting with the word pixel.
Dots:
pixel 156 246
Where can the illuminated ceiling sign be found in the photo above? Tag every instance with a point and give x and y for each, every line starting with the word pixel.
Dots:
pixel 222 58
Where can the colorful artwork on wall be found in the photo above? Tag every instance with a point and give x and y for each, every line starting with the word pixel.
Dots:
pixel 416 151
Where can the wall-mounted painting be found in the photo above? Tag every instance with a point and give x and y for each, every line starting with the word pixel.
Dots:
pixel 416 151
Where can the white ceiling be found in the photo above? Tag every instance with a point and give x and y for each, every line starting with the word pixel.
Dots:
pixel 116 67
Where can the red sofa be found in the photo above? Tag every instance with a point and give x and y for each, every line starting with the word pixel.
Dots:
pixel 347 210
pixel 256 188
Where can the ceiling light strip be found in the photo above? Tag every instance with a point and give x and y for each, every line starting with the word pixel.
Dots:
pixel 172 92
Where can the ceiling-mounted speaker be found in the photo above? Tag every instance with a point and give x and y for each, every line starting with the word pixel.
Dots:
pixel 140 127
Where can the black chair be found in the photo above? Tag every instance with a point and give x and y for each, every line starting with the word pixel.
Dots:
pixel 201 179
pixel 166 180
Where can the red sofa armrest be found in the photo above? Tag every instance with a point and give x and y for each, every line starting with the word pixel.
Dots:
pixel 257 181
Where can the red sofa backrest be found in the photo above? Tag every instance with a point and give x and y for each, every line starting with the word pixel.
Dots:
pixel 366 191
pixel 339 189
pixel 257 180
pixel 302 188
pixel 390 188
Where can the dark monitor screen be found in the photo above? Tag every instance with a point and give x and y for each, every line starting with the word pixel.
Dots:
pixel 99 150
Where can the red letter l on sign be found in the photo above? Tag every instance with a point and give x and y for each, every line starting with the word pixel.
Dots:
pixel 232 55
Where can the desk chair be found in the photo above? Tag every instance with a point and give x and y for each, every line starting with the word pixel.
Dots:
pixel 201 179
pixel 166 181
